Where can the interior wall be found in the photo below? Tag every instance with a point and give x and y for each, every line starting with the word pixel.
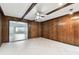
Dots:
pixel 64 29
pixel 33 28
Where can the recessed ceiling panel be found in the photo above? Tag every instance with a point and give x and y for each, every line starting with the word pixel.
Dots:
pixel 15 9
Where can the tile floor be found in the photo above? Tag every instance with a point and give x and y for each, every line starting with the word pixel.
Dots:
pixel 38 46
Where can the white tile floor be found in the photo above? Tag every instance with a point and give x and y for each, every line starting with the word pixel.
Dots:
pixel 38 46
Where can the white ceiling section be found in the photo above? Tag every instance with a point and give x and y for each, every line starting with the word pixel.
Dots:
pixel 43 8
pixel 18 10
pixel 63 11
pixel 15 9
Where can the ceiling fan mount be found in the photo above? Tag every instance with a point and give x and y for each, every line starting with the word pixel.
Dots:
pixel 39 15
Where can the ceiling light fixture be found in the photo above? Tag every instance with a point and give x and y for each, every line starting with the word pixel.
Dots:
pixel 71 11
pixel 39 16
pixel 38 13
pixel 60 4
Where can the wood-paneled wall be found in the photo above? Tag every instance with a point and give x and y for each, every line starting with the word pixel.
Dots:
pixel 32 33
pixel 5 29
pixel 64 29
pixel 34 29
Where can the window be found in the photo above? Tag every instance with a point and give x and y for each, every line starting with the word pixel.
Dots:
pixel 18 31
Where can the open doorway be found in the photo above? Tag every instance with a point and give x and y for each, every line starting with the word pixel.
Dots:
pixel 17 31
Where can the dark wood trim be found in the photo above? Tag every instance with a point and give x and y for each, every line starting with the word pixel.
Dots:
pixel 0 29
pixel 19 19
pixel 59 8
pixel 8 30
pixel 29 9
pixel 39 29
pixel 1 11
pixel 29 31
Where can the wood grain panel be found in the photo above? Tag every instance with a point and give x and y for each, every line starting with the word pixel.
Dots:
pixel 64 29
pixel 76 28
pixel 5 29
pixel 76 32
pixel 45 31
pixel 52 29
pixel 34 29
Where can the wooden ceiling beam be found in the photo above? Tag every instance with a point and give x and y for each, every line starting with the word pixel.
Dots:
pixel 59 8
pixel 29 9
